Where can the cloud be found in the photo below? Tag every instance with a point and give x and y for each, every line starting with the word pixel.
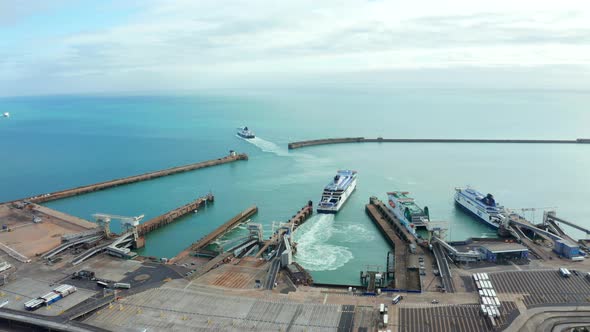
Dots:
pixel 187 42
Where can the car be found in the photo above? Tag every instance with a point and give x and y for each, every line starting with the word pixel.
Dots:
pixel 434 301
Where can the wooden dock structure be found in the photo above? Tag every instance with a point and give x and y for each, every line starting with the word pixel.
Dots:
pixel 132 179
pixel 204 241
pixel 324 141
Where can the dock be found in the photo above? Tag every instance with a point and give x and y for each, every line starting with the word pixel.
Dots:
pixel 297 220
pixel 399 246
pixel 324 141
pixel 232 157
pixel 168 217
pixel 203 242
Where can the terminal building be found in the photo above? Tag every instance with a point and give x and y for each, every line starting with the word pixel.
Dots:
pixel 490 250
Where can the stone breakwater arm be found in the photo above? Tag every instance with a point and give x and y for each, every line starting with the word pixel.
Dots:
pixel 301 144
pixel 132 179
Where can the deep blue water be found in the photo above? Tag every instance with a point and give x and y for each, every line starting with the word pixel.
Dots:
pixel 52 143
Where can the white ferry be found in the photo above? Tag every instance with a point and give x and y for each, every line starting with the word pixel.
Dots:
pixel 408 212
pixel 246 133
pixel 484 208
pixel 337 192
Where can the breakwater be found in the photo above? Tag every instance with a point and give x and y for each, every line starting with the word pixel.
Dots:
pixel 132 179
pixel 301 144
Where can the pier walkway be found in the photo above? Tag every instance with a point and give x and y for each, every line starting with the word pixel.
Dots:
pixel 131 179
pixel 239 218
pixel 167 218
pixel 301 144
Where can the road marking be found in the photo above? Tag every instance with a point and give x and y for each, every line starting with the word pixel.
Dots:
pixel 325 298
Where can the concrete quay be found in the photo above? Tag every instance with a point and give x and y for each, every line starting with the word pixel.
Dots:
pixel 301 144
pixel 131 179
pixel 239 218
pixel 168 217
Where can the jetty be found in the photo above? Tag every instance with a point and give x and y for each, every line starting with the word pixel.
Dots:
pixel 169 217
pixel 131 179
pixel 324 141
pixel 204 241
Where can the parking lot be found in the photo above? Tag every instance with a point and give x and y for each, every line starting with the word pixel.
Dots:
pixel 455 318
pixel 541 288
pixel 22 290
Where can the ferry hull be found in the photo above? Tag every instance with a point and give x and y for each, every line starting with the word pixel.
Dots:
pixel 474 215
pixel 246 136
pixel 345 196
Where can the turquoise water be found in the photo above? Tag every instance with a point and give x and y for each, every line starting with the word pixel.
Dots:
pixel 51 143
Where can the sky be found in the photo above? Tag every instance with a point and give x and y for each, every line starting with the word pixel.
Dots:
pixel 107 46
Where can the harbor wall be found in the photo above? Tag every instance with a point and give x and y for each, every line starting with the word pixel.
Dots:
pixel 168 217
pixel 239 218
pixel 301 144
pixel 131 179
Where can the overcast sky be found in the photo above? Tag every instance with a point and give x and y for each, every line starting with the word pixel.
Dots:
pixel 67 46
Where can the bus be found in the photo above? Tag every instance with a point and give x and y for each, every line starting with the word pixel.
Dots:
pixel 122 285
pixel 396 299
pixel 382 308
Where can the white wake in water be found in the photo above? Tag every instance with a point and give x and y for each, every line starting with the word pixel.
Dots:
pixel 313 253
pixel 268 146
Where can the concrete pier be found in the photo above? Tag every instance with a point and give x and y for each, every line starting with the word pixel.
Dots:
pixel 297 220
pixel 168 217
pixel 301 144
pixel 132 179
pixel 399 246
pixel 239 218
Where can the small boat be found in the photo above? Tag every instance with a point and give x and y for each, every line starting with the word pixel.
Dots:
pixel 6 115
pixel 246 133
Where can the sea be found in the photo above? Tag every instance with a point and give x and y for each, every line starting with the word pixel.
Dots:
pixel 57 142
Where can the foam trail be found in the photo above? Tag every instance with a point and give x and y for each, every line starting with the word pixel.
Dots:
pixel 313 253
pixel 268 146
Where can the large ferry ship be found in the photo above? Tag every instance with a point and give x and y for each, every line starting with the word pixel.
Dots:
pixel 246 133
pixel 408 212
pixel 337 191
pixel 484 208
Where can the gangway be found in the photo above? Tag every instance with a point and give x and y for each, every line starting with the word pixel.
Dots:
pixel 89 253
pixel 537 230
pixel 444 269
pixel 114 245
pixel 550 215
pixel 454 252
pixel 67 245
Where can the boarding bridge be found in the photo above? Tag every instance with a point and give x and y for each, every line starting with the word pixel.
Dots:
pixel 443 265
pixel 536 230
pixel 551 216
pixel 454 252
pixel 67 245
